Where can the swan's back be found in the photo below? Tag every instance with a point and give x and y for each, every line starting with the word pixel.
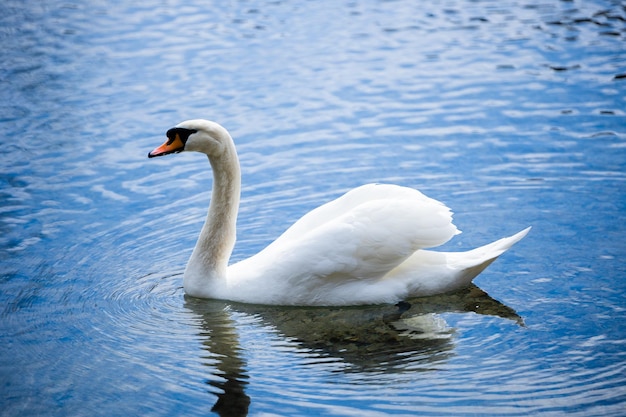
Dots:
pixel 381 193
pixel 351 242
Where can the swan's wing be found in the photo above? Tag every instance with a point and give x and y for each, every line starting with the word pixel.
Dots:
pixel 364 242
pixel 352 199
pixel 342 247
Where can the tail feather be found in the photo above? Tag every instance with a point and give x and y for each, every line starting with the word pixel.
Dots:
pixel 473 262
pixel 494 249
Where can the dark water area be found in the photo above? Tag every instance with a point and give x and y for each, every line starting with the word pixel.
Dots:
pixel 512 113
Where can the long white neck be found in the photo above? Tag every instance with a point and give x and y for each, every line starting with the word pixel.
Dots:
pixel 207 265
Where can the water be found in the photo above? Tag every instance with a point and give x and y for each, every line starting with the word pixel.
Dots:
pixel 511 113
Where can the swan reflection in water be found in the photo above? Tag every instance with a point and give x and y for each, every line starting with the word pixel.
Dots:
pixel 405 337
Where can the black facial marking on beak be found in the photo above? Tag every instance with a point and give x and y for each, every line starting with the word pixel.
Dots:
pixel 176 139
pixel 182 133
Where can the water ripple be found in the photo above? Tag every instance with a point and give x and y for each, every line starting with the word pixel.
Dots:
pixel 510 113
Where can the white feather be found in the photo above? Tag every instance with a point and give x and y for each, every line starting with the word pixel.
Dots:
pixel 366 247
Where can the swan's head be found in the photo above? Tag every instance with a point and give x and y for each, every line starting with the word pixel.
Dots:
pixel 194 135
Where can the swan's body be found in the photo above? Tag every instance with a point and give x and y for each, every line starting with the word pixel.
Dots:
pixel 366 247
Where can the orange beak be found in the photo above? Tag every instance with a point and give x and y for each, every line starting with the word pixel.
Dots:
pixel 170 146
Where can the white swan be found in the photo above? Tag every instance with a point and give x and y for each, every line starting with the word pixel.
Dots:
pixel 366 247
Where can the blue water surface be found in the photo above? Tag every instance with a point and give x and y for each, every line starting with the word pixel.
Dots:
pixel 512 113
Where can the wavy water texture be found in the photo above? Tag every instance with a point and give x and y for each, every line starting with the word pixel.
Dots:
pixel 510 112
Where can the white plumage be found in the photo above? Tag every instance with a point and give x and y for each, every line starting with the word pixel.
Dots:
pixel 366 247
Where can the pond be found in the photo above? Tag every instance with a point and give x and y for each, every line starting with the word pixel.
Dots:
pixel 512 113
